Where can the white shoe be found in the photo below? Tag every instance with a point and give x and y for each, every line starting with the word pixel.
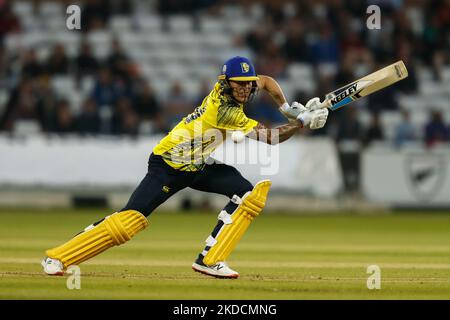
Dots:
pixel 219 270
pixel 53 267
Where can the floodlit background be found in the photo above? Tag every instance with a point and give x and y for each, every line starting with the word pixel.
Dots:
pixel 81 110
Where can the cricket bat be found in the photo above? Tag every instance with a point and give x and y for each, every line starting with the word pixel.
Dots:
pixel 365 86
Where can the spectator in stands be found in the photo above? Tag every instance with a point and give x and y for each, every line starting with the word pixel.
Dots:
pixel 432 37
pixel 125 120
pixel 405 51
pixel 299 31
pixel 186 6
pixel 117 60
pixel 349 135
pixel 146 104
pixel 205 88
pixel 257 38
pixel 354 64
pixel 22 105
pixel 58 62
pixel 104 92
pixel 177 105
pixel 274 13
pixel 435 36
pixel 352 43
pixel 271 62
pixel 95 14
pixel 374 132
pixel 295 47
pixel 85 63
pixel 404 131
pixel 325 50
pixel 31 67
pixel 63 121
pixel 3 67
pixel 122 7
pixel 88 121
pixel 436 130
pixel 383 100
pixel 9 22
pixel 349 127
pixel 46 100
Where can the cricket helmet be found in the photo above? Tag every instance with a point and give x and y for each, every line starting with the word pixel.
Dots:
pixel 238 69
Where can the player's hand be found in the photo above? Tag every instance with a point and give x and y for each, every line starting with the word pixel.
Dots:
pixel 313 104
pixel 292 111
pixel 316 119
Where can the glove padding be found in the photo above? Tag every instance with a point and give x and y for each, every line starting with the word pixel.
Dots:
pixel 291 111
pixel 316 119
pixel 313 104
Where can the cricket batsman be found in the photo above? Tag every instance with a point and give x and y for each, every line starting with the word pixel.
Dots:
pixel 181 159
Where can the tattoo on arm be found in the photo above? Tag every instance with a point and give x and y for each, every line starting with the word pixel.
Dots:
pixel 275 135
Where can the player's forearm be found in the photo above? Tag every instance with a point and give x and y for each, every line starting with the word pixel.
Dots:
pixel 273 88
pixel 288 130
pixel 275 135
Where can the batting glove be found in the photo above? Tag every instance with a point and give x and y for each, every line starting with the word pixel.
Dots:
pixel 313 104
pixel 291 111
pixel 316 119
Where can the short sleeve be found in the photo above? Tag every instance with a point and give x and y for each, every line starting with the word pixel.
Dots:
pixel 224 114
pixel 233 118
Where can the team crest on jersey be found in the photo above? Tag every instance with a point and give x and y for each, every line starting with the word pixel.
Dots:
pixel 245 67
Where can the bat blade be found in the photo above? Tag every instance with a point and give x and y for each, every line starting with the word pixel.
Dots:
pixel 366 85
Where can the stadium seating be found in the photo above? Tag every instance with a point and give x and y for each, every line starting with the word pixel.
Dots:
pixel 177 47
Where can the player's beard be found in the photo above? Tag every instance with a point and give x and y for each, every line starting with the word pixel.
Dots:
pixel 241 95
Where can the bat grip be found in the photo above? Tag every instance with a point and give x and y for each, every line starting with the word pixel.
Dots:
pixel 325 104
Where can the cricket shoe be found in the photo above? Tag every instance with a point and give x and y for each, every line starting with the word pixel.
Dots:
pixel 53 267
pixel 218 270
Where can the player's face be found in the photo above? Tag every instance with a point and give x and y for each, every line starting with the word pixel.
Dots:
pixel 241 90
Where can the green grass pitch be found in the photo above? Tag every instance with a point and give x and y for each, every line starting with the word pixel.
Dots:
pixel 281 257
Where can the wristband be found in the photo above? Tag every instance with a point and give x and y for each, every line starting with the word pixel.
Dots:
pixel 305 118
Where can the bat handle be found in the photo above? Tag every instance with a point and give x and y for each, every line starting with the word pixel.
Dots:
pixel 325 104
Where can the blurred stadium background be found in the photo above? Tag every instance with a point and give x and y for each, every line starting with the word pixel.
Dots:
pixel 81 110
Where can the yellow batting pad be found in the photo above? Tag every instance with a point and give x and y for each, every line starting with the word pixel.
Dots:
pixel 230 234
pixel 116 229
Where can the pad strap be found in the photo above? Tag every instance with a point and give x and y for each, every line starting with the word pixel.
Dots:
pixel 236 224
